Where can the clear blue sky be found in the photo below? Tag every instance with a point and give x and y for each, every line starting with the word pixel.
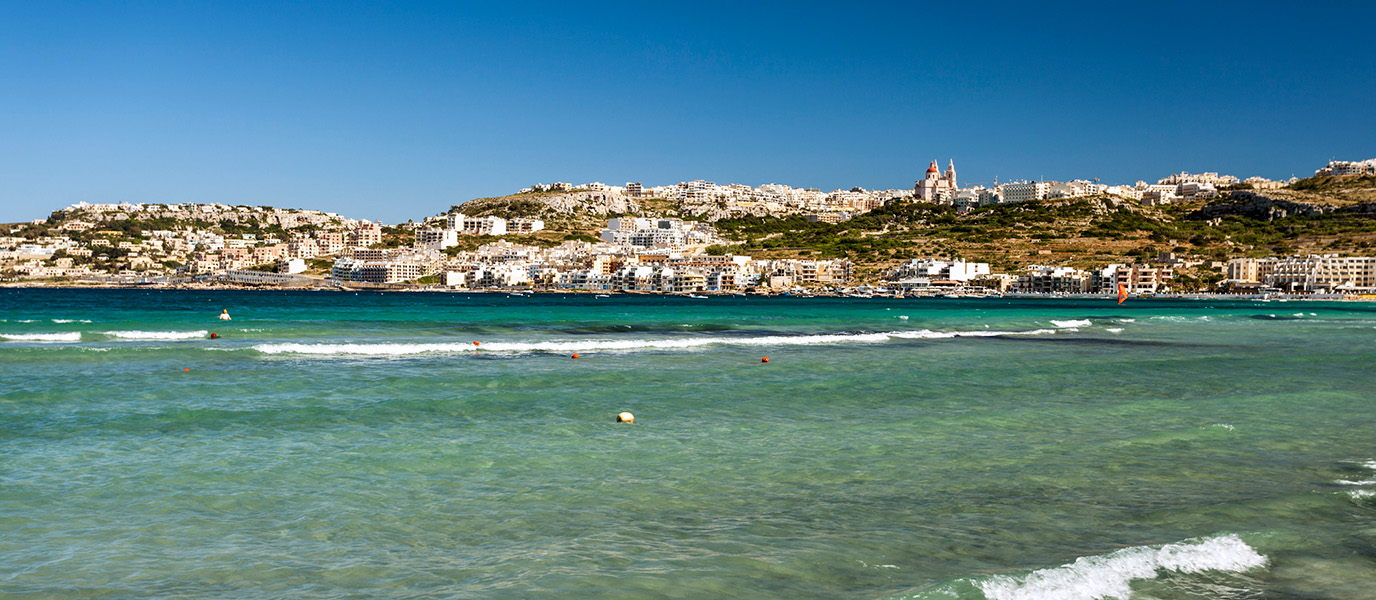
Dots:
pixel 396 111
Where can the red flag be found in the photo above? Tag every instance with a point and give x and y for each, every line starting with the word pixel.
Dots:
pixel 1122 293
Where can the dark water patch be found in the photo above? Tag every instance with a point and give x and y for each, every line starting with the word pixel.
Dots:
pixel 1094 341
pixel 638 328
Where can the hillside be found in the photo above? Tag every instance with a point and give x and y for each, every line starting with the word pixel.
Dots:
pixel 572 211
pixel 1316 215
pixel 1313 216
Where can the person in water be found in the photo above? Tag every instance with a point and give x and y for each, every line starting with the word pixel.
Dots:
pixel 224 314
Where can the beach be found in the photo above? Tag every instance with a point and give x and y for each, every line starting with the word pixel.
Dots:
pixel 360 444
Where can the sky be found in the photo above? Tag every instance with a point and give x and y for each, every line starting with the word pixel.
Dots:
pixel 398 110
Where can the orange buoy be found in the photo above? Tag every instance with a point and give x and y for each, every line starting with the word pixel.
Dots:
pixel 475 343
pixel 765 359
pixel 214 335
pixel 575 355
pixel 185 370
pixel 625 417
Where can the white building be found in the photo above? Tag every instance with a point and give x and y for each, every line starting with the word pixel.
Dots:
pixel 1344 167
pixel 377 271
pixel 1023 191
pixel 436 239
pixel 1213 179
pixel 291 266
pixel 477 225
pixel 935 268
pixel 1324 273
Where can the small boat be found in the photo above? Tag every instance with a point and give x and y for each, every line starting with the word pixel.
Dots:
pixel 602 296
pixel 696 296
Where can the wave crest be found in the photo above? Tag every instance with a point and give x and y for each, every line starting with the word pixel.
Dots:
pixel 401 349
pixel 157 335
pixel 1109 575
pixel 71 336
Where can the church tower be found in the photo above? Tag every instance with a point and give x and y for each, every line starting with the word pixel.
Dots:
pixel 951 175
pixel 926 188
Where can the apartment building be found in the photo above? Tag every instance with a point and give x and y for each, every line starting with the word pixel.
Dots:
pixel 467 225
pixel 1324 273
pixel 1024 191
pixel 1052 280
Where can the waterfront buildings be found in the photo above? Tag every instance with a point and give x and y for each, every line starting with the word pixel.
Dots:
pixel 1042 279
pixel 1326 273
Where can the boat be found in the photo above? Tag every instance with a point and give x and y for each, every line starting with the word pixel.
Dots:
pixel 696 296
pixel 602 296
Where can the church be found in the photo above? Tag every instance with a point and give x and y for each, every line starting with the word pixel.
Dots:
pixel 937 187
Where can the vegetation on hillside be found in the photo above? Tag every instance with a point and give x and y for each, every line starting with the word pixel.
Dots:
pixel 1077 232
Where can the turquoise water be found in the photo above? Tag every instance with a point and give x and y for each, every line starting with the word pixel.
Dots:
pixel 334 445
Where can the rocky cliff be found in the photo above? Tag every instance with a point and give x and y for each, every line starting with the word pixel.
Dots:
pixel 1272 205
pixel 574 207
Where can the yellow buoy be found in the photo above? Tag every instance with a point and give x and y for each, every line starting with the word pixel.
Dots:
pixel 625 417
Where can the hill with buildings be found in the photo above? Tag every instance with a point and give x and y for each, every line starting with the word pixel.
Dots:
pixel 1194 234
pixel 548 235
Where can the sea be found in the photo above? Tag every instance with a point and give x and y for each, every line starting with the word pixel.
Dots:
pixel 438 445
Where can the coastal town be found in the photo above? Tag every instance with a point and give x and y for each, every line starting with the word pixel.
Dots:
pixel 661 239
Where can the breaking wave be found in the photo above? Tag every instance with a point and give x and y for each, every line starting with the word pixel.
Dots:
pixel 1110 575
pixel 1072 323
pixel 71 336
pixel 401 349
pixel 157 335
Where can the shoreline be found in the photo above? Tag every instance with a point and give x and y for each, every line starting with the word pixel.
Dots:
pixel 202 286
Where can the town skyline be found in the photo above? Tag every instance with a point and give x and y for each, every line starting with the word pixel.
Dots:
pixel 659 189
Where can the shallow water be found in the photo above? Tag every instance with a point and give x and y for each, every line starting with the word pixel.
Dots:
pixel 359 445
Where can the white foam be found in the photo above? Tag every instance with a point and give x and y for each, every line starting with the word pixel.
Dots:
pixel 1127 320
pixel 72 336
pixel 1114 330
pixel 157 335
pixel 1072 323
pixel 904 317
pixel 402 349
pixel 1361 494
pixel 1110 575
pixel 1223 426
pixel 71 320
pixel 1350 482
